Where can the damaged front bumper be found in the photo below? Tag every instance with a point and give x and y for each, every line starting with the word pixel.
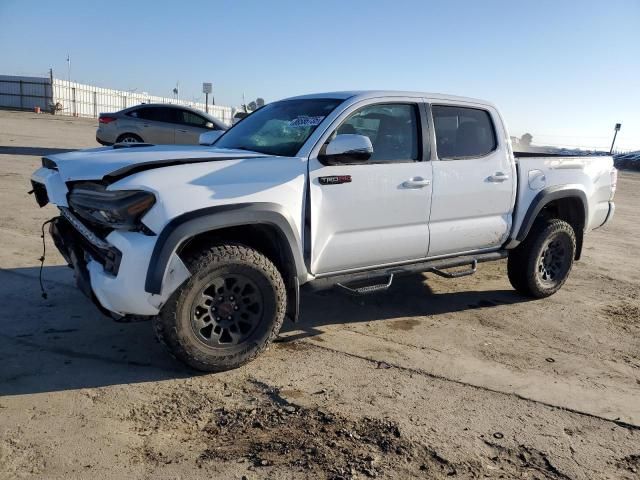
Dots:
pixel 75 250
pixel 112 272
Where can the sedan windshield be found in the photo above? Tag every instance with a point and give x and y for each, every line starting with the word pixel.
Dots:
pixel 279 128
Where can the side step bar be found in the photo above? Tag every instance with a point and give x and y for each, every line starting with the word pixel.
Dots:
pixel 462 273
pixel 368 288
pixel 436 266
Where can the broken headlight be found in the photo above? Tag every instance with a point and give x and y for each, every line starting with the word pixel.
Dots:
pixel 118 209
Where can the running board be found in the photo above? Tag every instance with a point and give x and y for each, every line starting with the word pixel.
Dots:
pixel 368 288
pixel 436 266
pixel 462 273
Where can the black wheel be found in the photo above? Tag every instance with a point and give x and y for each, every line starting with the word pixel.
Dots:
pixel 129 138
pixel 540 265
pixel 227 313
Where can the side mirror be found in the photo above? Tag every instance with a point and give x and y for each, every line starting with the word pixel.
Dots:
pixel 347 148
pixel 209 138
pixel 208 125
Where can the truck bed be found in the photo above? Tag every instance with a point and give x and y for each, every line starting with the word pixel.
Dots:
pixel 541 172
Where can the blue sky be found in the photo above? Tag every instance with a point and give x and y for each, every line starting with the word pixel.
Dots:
pixel 565 71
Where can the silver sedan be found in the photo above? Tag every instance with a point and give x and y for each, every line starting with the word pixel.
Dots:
pixel 157 124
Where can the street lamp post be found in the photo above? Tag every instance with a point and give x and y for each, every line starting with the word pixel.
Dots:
pixel 615 134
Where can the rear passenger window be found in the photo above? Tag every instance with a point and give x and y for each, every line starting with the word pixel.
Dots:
pixel 463 132
pixel 392 129
pixel 157 114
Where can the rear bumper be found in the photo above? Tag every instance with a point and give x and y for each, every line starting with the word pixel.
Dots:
pixel 103 142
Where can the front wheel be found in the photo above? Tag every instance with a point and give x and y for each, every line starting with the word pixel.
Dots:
pixel 540 265
pixel 227 313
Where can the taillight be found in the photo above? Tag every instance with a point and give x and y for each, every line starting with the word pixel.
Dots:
pixel 107 119
pixel 614 182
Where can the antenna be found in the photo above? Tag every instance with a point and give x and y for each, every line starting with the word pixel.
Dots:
pixel 615 134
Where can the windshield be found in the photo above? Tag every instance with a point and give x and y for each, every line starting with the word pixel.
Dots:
pixel 279 128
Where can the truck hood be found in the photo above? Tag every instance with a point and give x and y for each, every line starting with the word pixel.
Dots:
pixel 111 164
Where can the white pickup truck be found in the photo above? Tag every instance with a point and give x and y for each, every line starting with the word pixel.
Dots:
pixel 350 189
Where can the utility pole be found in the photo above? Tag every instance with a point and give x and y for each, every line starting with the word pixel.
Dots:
pixel 68 68
pixel 615 134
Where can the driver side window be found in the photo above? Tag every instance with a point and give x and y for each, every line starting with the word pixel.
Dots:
pixel 392 129
pixel 189 118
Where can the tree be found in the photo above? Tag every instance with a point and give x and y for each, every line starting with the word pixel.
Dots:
pixel 526 139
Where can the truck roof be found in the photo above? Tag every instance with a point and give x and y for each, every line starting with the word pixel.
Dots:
pixel 365 94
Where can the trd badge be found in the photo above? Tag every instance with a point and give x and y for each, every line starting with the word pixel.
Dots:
pixel 334 179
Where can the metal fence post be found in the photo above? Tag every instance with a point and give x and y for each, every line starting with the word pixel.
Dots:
pixel 73 96
pixel 48 101
pixel 95 105
pixel 21 93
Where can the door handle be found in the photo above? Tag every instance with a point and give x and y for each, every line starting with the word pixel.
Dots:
pixel 182 131
pixel 498 177
pixel 416 182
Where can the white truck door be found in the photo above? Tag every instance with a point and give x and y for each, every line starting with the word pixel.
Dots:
pixel 376 212
pixel 474 180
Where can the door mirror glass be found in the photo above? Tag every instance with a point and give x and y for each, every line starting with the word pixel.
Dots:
pixel 209 125
pixel 209 138
pixel 347 148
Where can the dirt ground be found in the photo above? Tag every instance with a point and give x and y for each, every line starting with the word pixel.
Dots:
pixel 433 379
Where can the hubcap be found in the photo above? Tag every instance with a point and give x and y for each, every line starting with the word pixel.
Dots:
pixel 554 261
pixel 129 140
pixel 227 311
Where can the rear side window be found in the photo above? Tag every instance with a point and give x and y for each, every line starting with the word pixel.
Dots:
pixel 463 132
pixel 157 114
pixel 392 129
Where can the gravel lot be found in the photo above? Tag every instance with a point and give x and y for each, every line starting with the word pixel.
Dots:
pixel 434 378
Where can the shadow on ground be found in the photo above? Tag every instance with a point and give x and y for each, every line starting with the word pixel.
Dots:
pixel 33 151
pixel 63 342
pixel 409 296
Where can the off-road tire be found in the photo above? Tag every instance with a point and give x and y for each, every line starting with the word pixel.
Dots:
pixel 173 326
pixel 524 266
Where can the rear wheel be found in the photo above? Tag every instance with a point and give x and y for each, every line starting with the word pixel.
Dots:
pixel 129 138
pixel 540 265
pixel 227 313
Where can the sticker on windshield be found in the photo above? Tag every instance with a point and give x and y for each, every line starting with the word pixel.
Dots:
pixel 305 121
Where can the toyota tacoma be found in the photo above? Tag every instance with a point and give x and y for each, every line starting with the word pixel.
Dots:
pixel 348 189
